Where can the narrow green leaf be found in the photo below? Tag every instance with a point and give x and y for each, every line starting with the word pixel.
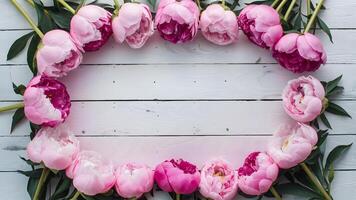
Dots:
pixel 325 28
pixel 17 117
pixel 18 45
pixel 325 120
pixel 332 84
pixel 62 18
pixel 296 190
pixel 62 188
pixel 331 174
pixel 337 110
pixel 334 155
pixel 31 186
pixel 19 89
pixel 335 91
pixel 31 52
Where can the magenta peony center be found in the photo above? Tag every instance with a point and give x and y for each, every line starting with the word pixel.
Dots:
pixel 254 36
pixel 185 166
pixel 249 166
pixel 106 32
pixel 175 32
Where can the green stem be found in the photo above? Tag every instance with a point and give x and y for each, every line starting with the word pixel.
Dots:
pixel 223 3
pixel 76 195
pixel 11 107
pixel 28 18
pixel 275 2
pixel 66 5
pixel 44 175
pixel 275 193
pixel 313 17
pixel 315 181
pixel 308 7
pixel 198 4
pixel 82 3
pixel 177 196
pixel 281 5
pixel 290 8
pixel 117 7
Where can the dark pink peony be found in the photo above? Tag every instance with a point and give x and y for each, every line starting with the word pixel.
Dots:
pixel 299 53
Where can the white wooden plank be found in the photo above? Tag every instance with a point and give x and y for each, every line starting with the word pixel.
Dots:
pixel 157 51
pixel 165 82
pixel 337 15
pixel 154 149
pixel 181 118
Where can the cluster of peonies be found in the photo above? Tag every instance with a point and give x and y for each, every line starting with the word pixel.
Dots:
pixel 295 52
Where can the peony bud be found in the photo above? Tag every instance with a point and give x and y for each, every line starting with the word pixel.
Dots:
pixel 218 25
pixel 133 180
pixel 218 181
pixel 55 147
pixel 177 176
pixel 303 98
pixel 133 24
pixel 299 53
pixel 177 21
pixel 292 144
pixel 57 54
pixel 46 101
pixel 91 27
pixel 257 174
pixel 261 25
pixel 91 174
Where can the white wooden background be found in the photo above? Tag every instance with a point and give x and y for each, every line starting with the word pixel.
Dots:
pixel 196 101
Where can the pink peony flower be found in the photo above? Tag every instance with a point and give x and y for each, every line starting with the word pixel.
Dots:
pixel 55 147
pixel 303 98
pixel 218 181
pixel 133 24
pixel 177 176
pixel 218 25
pixel 46 101
pixel 91 174
pixel 261 25
pixel 257 174
pixel 57 54
pixel 177 21
pixel 299 53
pixel 133 180
pixel 91 27
pixel 292 144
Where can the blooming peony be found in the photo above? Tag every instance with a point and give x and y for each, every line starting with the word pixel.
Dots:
pixel 177 21
pixel 46 101
pixel 299 53
pixel 57 54
pixel 218 25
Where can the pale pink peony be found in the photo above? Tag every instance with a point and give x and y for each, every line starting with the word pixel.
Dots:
pixel 91 27
pixel 56 147
pixel 133 180
pixel 177 21
pixel 218 181
pixel 303 98
pixel 177 176
pixel 218 25
pixel 133 24
pixel 299 53
pixel 57 55
pixel 257 174
pixel 292 144
pixel 261 25
pixel 91 174
pixel 46 101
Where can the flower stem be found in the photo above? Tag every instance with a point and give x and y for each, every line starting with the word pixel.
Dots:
pixel 275 193
pixel 177 196
pixel 198 4
pixel 275 2
pixel 313 17
pixel 28 18
pixel 223 3
pixel 66 5
pixel 308 7
pixel 44 175
pixel 76 195
pixel 290 8
pixel 281 5
pixel 315 181
pixel 117 7
pixel 11 107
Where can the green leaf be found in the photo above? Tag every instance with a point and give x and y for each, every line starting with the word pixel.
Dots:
pixel 332 84
pixel 31 52
pixel 296 189
pixel 325 120
pixel 62 18
pixel 325 28
pixel 31 186
pixel 33 173
pixel 331 174
pixel 335 91
pixel 334 155
pixel 337 110
pixel 18 45
pixel 19 89
pixel 62 188
pixel 17 117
